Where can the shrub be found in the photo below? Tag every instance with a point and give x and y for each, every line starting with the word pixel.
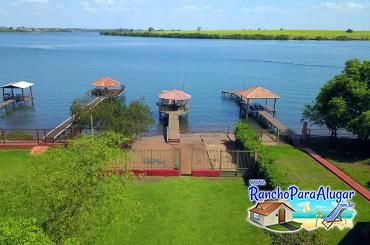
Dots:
pixel 247 138
pixel 19 135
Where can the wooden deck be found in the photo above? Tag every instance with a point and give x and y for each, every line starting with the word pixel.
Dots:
pixel 232 92
pixel 273 121
pixel 173 129
pixel 7 103
pixel 61 128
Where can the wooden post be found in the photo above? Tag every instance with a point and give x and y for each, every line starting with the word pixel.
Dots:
pixel 37 134
pixel 220 160
pixel 3 134
pixel 273 113
pixel 31 95
pixel 247 108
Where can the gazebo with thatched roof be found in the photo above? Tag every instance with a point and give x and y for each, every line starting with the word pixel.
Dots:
pixel 173 100
pixel 258 93
pixel 107 86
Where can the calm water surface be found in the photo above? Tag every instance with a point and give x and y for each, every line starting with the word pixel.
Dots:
pixel 62 65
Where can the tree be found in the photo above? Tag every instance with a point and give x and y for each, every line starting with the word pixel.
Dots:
pixel 343 100
pixel 199 28
pixel 361 126
pixel 113 115
pixel 22 231
pixel 349 30
pixel 150 29
pixel 70 192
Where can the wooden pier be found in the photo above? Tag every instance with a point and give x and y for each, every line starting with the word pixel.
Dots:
pixel 8 103
pixel 262 113
pixel 173 128
pixel 52 135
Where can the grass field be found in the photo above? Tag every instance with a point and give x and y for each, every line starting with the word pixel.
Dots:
pixel 299 169
pixel 252 34
pixel 190 210
pixel 291 33
pixel 349 157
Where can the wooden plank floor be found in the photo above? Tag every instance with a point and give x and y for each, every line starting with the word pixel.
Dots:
pixel 53 134
pixel 273 121
pixel 173 128
pixel 6 103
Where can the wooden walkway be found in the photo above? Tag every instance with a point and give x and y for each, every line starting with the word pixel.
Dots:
pixel 272 120
pixel 173 129
pixel 339 173
pixel 232 92
pixel 61 128
pixel 7 103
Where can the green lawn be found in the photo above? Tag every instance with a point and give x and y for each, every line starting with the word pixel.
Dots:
pixel 279 227
pixel 190 210
pixel 300 169
pixel 349 157
pixel 13 161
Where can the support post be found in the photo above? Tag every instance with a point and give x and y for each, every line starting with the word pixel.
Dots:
pixel 247 108
pixel 220 160
pixel 273 113
pixel 37 135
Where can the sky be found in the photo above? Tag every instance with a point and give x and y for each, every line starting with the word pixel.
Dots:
pixel 188 14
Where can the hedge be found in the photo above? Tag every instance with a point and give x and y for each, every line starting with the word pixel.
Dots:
pixel 247 138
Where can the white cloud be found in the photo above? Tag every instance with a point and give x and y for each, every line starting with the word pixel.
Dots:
pixel 33 1
pixel 105 2
pixel 190 8
pixel 346 6
pixel 87 6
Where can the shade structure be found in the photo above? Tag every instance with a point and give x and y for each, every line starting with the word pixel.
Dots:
pixel 105 82
pixel 20 84
pixel 174 95
pixel 258 93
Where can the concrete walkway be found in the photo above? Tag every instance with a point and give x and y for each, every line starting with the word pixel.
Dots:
pixel 339 173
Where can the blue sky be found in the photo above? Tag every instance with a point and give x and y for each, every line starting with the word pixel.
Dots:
pixel 188 14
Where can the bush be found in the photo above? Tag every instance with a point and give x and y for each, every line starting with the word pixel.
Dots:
pixel 19 135
pixel 248 139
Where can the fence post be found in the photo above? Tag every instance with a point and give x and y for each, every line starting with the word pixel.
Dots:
pixel 255 156
pixel 237 158
pixel 3 134
pixel 37 134
pixel 151 158
pixel 220 160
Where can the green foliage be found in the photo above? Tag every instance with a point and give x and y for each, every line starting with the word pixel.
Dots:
pixel 18 135
pixel 361 125
pixel 265 168
pixel 70 192
pixel 22 231
pixel 248 34
pixel 299 237
pixel 343 100
pixel 112 115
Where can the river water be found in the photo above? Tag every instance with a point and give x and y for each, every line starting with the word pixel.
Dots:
pixel 62 66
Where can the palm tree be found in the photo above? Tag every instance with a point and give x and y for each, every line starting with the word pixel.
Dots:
pixel 319 214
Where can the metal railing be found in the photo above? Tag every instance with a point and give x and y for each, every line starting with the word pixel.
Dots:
pixel 223 160
pixel 153 159
pixel 24 136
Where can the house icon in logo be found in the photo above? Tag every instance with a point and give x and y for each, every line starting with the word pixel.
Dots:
pixel 271 213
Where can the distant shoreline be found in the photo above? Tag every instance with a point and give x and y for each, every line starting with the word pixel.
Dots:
pixel 348 35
